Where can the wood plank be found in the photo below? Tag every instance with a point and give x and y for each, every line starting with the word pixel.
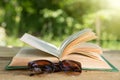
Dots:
pixel 8 51
pixel 6 55
pixel 85 75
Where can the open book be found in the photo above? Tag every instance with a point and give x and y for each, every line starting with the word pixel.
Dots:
pixel 75 47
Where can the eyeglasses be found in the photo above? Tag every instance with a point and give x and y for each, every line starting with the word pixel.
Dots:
pixel 45 66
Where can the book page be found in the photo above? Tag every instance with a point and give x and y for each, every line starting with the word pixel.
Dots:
pixel 26 55
pixel 87 49
pixel 88 62
pixel 82 36
pixel 40 44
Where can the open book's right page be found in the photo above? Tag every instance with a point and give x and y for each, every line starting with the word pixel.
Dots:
pixel 75 39
pixel 88 62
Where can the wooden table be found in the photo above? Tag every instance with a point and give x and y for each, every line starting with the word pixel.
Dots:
pixel 7 53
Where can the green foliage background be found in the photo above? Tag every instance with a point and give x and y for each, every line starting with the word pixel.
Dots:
pixel 54 20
